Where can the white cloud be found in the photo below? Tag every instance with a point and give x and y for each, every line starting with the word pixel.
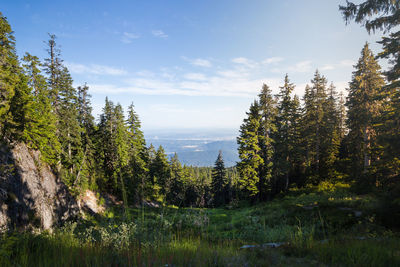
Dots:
pixel 198 62
pixel 127 37
pixel 159 33
pixel 303 66
pixel 272 60
pixel 245 61
pixel 347 63
pixel 328 67
pixel 242 79
pixel 300 67
pixel 195 76
pixel 94 69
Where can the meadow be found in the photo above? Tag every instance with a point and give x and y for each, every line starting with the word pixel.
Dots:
pixel 325 225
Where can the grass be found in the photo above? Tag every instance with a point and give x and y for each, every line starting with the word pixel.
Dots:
pixel 325 225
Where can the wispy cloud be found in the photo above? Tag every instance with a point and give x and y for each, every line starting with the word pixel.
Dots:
pixel 328 67
pixel 241 77
pixel 245 61
pixel 272 60
pixel 300 67
pixel 159 33
pixel 94 69
pixel 128 37
pixel 201 62
pixel 342 64
pixel 195 76
pixel 347 62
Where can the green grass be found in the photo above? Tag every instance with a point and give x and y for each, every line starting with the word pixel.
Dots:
pixel 318 225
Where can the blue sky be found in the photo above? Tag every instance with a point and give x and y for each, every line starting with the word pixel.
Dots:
pixel 191 64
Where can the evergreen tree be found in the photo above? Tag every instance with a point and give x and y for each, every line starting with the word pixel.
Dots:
pixel 384 15
pixel 363 107
pixel 54 69
pixel 267 130
pixel 69 130
pixel 9 74
pixel 138 157
pixel 249 152
pixel 160 173
pixel 284 136
pixel 176 193
pixel 87 169
pixel 40 132
pixel 218 185
pixel 315 118
pixel 331 134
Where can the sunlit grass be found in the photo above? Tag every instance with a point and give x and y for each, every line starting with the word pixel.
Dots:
pixel 316 226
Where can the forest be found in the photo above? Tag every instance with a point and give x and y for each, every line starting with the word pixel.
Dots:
pixel 297 153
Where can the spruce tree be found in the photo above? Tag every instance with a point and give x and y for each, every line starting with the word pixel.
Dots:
pixel 249 152
pixel 284 136
pixel 87 169
pixel 384 15
pixel 160 173
pixel 40 132
pixel 138 162
pixel 69 129
pixel 218 184
pixel 54 68
pixel 9 74
pixel 267 130
pixel 176 192
pixel 363 107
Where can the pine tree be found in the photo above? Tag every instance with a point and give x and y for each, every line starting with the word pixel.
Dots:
pixel 9 74
pixel 297 149
pixel 218 185
pixel 284 134
pixel 176 192
pixel 331 134
pixel 40 132
pixel 87 169
pixel 384 15
pixel 69 130
pixel 267 130
pixel 121 146
pixel 316 137
pixel 160 173
pixel 363 107
pixel 249 152
pixel 54 69
pixel 138 161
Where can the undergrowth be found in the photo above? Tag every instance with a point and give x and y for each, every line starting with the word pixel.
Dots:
pixel 319 225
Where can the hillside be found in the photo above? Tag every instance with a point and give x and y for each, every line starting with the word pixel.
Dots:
pixel 326 225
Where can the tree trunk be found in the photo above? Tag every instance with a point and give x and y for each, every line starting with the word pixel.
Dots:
pixel 366 144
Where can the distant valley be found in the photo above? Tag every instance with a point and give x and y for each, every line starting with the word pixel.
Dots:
pixel 196 147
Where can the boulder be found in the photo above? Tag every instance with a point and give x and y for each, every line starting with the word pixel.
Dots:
pixel 31 195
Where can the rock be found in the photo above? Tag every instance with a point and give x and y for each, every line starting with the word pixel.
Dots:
pixel 89 202
pixel 273 244
pixel 35 196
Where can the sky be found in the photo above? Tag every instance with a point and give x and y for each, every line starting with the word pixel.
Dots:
pixel 191 64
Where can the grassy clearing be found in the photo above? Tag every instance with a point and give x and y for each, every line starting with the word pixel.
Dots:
pixel 325 225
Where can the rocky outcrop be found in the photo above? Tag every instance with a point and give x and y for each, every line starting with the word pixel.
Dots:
pixel 90 203
pixel 30 194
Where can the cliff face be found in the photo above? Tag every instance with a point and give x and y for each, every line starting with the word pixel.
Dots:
pixel 30 194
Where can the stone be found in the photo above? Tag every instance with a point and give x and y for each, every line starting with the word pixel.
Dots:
pixel 35 195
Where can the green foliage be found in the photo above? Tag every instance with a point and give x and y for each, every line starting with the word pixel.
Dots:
pixel 219 185
pixel 9 75
pixel 249 151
